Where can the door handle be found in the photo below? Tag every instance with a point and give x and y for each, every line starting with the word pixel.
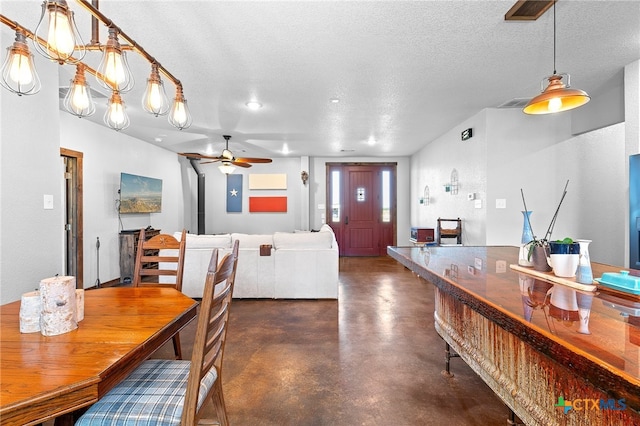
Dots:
pixel 346 221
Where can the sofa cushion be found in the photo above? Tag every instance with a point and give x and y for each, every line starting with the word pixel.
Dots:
pixel 252 240
pixel 206 241
pixel 311 240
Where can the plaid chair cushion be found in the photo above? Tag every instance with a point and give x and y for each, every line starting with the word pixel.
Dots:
pixel 152 395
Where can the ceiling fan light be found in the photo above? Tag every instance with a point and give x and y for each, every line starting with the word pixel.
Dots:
pixel 557 97
pixel 57 26
pixel 253 105
pixel 226 168
pixel 18 70
pixel 78 100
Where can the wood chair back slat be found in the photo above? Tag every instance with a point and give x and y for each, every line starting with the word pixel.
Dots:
pixel 210 338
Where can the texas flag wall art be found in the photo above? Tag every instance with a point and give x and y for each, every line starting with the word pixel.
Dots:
pixel 234 193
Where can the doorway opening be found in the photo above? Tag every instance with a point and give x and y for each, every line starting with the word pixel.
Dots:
pixel 73 211
pixel 361 207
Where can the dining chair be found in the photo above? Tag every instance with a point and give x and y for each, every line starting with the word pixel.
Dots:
pixel 173 392
pixel 156 268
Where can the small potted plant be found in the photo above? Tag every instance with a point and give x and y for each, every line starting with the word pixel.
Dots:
pixel 564 256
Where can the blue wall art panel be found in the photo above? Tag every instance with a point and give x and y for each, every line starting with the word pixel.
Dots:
pixel 234 193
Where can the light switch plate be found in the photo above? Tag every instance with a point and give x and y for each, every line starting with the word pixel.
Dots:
pixel 478 263
pixel 477 204
pixel 48 202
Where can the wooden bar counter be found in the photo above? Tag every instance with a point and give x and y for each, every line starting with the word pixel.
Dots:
pixel 546 364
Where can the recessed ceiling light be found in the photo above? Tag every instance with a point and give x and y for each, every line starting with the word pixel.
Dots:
pixel 334 100
pixel 254 105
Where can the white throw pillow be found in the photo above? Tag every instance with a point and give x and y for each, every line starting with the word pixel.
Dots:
pixel 311 240
pixel 252 240
pixel 206 241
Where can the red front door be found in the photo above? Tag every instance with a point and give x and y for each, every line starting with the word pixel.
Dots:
pixel 361 200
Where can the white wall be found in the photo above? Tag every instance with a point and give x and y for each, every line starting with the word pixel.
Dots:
pixel 218 221
pixel 511 151
pixel 542 156
pixel 107 153
pixel 318 188
pixel 29 169
pixel 433 165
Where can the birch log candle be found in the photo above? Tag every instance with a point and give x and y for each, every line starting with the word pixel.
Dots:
pixel 30 312
pixel 79 304
pixel 58 298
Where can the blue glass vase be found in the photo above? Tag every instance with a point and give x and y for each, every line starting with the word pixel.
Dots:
pixel 527 233
pixel 527 236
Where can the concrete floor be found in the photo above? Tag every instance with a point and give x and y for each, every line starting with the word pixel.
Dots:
pixel 371 358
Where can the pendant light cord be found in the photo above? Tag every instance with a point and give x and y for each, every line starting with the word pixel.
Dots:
pixel 554 37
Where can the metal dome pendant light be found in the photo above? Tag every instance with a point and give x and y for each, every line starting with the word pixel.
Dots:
pixel 557 97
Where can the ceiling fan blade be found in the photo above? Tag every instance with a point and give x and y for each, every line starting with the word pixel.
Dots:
pixel 196 156
pixel 241 164
pixel 212 160
pixel 253 160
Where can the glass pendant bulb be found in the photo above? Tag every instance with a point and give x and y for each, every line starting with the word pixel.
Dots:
pixel 116 116
pixel 18 70
pixel 78 100
pixel 114 72
pixel 155 99
pixel 57 27
pixel 180 116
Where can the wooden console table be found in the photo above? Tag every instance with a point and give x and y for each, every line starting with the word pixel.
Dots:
pixel 530 353
pixel 128 250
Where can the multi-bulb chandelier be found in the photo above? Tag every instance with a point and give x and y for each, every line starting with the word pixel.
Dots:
pixel 57 38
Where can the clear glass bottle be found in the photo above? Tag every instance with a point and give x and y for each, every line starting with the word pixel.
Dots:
pixel 584 274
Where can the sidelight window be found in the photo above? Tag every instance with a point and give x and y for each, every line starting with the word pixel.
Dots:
pixel 335 196
pixel 386 196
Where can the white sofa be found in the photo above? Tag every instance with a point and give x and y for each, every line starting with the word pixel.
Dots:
pixel 301 265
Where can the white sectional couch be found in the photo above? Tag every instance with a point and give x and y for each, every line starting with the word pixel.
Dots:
pixel 301 265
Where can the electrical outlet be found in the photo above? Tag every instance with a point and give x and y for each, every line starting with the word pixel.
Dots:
pixel 501 203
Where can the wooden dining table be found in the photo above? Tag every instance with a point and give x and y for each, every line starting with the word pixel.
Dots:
pixel 43 377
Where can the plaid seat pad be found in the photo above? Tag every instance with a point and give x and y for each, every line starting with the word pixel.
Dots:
pixel 152 395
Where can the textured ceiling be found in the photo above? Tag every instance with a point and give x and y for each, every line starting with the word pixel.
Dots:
pixel 405 72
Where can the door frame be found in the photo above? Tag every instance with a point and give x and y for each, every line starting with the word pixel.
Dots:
pixel 339 229
pixel 73 204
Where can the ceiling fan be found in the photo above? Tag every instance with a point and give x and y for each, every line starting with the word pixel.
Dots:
pixel 226 158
